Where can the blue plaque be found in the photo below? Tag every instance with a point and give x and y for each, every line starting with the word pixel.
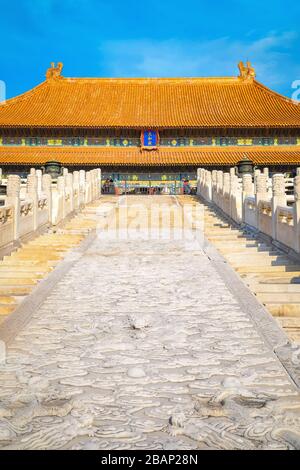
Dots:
pixel 150 139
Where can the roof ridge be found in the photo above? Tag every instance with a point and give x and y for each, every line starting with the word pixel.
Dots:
pixel 150 79
pixel 24 95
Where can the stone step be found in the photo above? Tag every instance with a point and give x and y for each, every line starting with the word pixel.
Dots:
pixel 259 288
pixel 56 239
pixel 43 251
pixel 250 251
pixel 18 281
pixel 5 300
pixel 28 256
pixel 273 297
pixel 288 280
pixel 216 223
pixel 10 268
pixel 265 261
pixel 7 309
pixel 240 244
pixel 15 291
pixel 272 277
pixel 218 229
pixel 47 247
pixel 226 238
pixel 289 322
pixel 270 271
pixel 19 275
pixel 284 309
pixel 222 232
pixel 294 335
pixel 27 262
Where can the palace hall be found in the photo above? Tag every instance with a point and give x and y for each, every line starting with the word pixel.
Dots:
pixel 158 129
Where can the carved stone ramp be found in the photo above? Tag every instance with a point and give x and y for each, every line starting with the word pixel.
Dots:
pixel 147 343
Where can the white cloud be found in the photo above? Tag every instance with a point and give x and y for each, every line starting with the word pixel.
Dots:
pixel 269 55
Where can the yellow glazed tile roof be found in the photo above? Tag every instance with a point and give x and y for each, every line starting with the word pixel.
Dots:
pixel 111 156
pixel 149 103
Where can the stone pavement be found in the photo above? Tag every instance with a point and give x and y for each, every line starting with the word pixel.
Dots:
pixel 142 345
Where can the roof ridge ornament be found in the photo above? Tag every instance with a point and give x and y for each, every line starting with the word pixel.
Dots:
pixel 54 72
pixel 247 72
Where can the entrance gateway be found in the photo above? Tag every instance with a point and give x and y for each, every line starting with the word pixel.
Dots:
pixel 149 183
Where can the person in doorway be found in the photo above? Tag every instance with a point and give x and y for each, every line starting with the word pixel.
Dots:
pixel 186 186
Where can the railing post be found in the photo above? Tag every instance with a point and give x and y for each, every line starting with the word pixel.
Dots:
pixel 278 199
pixel 33 195
pixel 208 184
pixel 39 175
pixel 88 187
pixel 226 193
pixel 61 195
pixel 82 187
pixel 219 188
pixel 198 181
pixel 266 172
pixel 247 190
pixel 13 199
pixel 76 190
pixel 257 172
pixel 65 173
pixel 46 187
pixel 261 194
pixel 69 190
pixel 94 185
pixel 297 213
pixel 99 181
pixel 234 205
pixel 214 185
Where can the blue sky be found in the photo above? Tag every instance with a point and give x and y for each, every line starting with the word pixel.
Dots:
pixel 137 38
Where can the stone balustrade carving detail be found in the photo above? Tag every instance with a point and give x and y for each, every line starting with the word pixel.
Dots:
pixel 247 184
pixel 262 206
pixel 261 183
pixel 13 186
pixel 40 201
pixel 278 185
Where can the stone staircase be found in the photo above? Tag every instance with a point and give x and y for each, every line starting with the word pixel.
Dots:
pixel 270 274
pixel 24 268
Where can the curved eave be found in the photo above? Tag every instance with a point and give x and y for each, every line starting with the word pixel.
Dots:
pixel 134 156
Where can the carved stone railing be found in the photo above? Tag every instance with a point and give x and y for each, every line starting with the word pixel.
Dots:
pixel 6 225
pixel 261 203
pixel 26 218
pixel 250 211
pixel 264 217
pixel 285 226
pixel 39 202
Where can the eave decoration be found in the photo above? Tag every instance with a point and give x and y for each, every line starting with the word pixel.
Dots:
pixel 54 72
pixel 247 72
